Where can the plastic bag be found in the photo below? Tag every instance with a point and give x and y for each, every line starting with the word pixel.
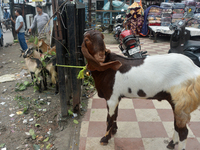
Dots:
pixel 179 5
pixel 177 16
pixel 116 5
pixel 166 5
pixel 178 11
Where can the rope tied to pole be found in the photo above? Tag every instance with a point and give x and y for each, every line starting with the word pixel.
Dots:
pixel 80 74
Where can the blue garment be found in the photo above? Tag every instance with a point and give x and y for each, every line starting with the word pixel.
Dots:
pixel 145 29
pixel 6 15
pixel 22 41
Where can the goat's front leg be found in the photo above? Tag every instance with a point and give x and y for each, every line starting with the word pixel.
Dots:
pixel 175 138
pixel 114 129
pixel 38 80
pixel 32 76
pixel 44 79
pixel 112 106
pixel 180 133
pixel 183 133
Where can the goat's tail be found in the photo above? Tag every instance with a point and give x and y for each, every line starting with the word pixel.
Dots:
pixel 186 98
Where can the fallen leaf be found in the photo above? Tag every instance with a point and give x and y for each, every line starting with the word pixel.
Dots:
pixel 75 121
pixel 70 112
pixel 48 146
pixel 36 147
pixel 2 145
pixel 26 83
pixel 45 140
pixel 32 133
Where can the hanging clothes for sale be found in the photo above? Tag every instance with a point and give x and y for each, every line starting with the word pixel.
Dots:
pixel 137 20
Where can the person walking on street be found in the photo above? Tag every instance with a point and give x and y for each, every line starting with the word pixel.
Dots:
pixel 39 21
pixel 6 14
pixel 20 29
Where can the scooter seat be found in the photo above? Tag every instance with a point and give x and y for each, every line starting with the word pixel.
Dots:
pixel 129 37
pixel 190 45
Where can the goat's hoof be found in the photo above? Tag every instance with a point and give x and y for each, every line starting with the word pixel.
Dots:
pixel 104 141
pixel 114 131
pixel 171 145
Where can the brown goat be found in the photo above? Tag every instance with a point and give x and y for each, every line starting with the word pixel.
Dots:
pixel 45 47
pixel 171 77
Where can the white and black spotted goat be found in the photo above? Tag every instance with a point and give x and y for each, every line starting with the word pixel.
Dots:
pixel 171 77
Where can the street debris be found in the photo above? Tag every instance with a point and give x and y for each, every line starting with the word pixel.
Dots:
pixel 49 132
pixel 27 133
pixel 31 119
pixel 25 121
pixel 2 103
pixel 37 125
pixel 7 77
pixel 19 112
pixel 11 115
pixel 75 115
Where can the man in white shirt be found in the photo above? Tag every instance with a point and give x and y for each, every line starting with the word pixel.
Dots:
pixel 20 29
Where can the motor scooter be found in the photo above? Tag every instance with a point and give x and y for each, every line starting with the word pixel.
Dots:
pixel 180 41
pixel 130 44
pixel 118 27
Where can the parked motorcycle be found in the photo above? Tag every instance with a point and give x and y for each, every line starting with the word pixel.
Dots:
pixel 180 43
pixel 129 43
pixel 118 26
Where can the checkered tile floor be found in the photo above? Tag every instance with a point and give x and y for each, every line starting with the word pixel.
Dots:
pixel 142 124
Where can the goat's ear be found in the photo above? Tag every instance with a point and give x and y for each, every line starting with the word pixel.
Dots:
pixel 93 64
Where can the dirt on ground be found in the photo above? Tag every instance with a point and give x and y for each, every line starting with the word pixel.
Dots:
pixel 31 120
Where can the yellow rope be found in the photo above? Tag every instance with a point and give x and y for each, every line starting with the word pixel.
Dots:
pixel 68 66
pixel 80 74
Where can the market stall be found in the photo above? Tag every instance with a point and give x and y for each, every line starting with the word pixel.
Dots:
pixel 154 30
pixel 159 18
